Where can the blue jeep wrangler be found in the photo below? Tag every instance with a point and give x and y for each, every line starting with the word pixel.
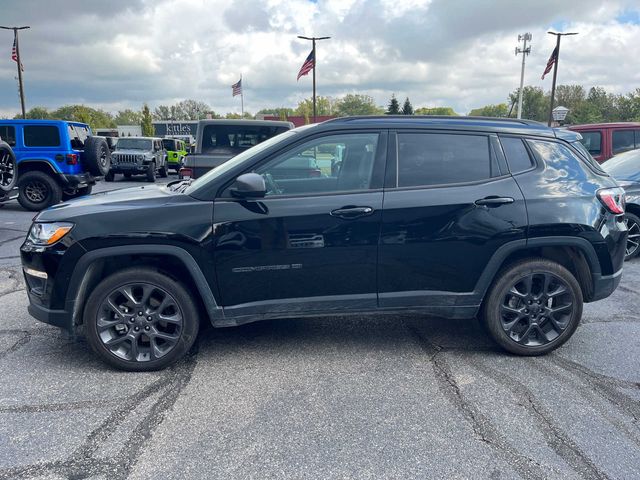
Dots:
pixel 56 159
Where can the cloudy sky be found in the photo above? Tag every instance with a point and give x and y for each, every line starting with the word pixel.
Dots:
pixel 120 53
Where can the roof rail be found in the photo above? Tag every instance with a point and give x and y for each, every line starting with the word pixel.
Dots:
pixel 438 117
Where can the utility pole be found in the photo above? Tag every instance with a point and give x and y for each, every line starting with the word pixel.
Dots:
pixel 524 51
pixel 15 37
pixel 315 63
pixel 555 71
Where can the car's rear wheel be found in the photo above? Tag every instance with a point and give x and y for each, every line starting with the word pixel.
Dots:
pixel 633 239
pixel 139 320
pixel 8 168
pixel 37 191
pixel 533 307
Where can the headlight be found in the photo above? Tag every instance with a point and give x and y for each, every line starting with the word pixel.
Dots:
pixel 48 233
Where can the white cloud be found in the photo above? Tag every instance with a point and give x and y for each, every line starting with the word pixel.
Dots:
pixel 437 52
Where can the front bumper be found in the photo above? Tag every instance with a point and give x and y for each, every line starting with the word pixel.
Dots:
pixel 129 168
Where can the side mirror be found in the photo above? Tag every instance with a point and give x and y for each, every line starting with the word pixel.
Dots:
pixel 249 185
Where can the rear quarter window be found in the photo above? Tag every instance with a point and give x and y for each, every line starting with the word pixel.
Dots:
pixel 41 136
pixel 561 163
pixel 8 134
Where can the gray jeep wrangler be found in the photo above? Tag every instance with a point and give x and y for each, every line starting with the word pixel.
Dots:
pixel 138 155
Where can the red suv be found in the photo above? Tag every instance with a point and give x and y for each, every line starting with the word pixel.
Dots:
pixel 604 140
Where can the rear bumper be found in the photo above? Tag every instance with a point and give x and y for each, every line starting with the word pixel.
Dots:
pixel 78 180
pixel 605 285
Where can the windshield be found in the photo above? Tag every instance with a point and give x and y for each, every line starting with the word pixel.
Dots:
pixel 134 144
pixel 238 159
pixel 625 166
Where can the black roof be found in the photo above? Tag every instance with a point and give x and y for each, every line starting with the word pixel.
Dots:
pixel 497 125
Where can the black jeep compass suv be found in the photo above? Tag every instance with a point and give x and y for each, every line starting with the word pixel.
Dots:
pixel 454 217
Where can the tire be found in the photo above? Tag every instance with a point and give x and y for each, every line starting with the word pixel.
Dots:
pixel 524 325
pixel 109 177
pixel 37 191
pixel 80 192
pixel 163 171
pixel 8 168
pixel 103 325
pixel 96 156
pixel 151 172
pixel 633 240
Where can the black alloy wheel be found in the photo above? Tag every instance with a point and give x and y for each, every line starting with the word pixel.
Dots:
pixel 632 248
pixel 533 307
pixel 7 170
pixel 537 309
pixel 139 319
pixel 36 191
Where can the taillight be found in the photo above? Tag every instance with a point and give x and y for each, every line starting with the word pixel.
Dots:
pixel 612 199
pixel 185 173
pixel 72 158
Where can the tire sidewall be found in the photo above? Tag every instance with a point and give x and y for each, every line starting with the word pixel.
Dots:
pixel 491 315
pixel 635 219
pixel 6 149
pixel 95 148
pixel 54 191
pixel 151 172
pixel 188 308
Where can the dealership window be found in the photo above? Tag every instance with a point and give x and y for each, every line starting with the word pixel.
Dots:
pixel 441 158
pixel 8 134
pixel 623 140
pixel 41 136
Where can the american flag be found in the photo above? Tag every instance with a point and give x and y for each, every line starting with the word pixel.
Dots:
pixel 236 88
pixel 552 60
pixel 308 65
pixel 14 54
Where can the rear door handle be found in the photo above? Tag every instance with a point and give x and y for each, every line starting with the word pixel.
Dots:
pixel 352 212
pixel 494 201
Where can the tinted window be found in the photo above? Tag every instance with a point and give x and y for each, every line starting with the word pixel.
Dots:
pixel 437 159
pixel 592 141
pixel 236 137
pixel 8 134
pixel 329 164
pixel 41 136
pixel 517 154
pixel 623 140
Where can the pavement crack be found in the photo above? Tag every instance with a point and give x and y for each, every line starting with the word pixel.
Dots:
pixel 527 467
pixel 556 439
pixel 9 240
pixel 22 341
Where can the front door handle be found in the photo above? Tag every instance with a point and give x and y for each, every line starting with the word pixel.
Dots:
pixel 350 212
pixel 494 201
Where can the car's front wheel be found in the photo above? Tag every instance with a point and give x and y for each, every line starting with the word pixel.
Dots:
pixel 151 172
pixel 533 307
pixel 633 238
pixel 37 191
pixel 140 320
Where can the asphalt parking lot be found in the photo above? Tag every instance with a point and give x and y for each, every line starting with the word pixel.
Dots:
pixel 399 397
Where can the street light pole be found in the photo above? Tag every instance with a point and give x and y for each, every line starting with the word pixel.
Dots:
pixel 15 36
pixel 315 63
pixel 555 71
pixel 525 51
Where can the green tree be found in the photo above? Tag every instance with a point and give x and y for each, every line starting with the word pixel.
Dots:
pixel 128 117
pixel 323 107
pixel 96 118
pixel 535 104
pixel 443 111
pixel 147 122
pixel 407 108
pixel 394 107
pixel 356 104
pixel 35 113
pixel 183 110
pixel 499 110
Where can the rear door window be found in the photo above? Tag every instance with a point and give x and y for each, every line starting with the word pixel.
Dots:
pixel 517 155
pixel 41 136
pixel 426 159
pixel 623 140
pixel 592 141
pixel 8 134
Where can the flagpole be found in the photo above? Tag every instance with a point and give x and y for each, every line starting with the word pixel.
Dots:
pixel 315 63
pixel 15 36
pixel 555 72
pixel 241 97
